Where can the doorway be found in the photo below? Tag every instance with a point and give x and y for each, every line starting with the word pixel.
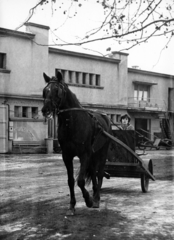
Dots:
pixel 142 127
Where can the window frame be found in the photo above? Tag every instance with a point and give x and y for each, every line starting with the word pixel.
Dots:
pixel 142 92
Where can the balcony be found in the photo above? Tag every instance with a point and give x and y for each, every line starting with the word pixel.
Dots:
pixel 151 104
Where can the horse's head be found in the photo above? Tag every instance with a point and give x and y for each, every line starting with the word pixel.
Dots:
pixel 53 94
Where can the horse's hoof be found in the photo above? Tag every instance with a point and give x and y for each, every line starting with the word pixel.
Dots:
pixel 89 205
pixel 70 212
pixel 89 202
pixel 96 204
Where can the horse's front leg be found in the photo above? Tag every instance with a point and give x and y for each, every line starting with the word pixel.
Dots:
pixel 71 182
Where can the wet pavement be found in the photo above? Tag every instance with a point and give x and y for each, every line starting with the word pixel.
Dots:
pixel 34 198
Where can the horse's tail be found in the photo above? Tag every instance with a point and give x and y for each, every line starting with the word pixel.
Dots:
pixel 87 176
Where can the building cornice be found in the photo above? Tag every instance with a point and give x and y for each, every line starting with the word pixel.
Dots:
pixel 83 55
pixel 104 106
pixel 8 32
pixel 26 97
pixel 149 73
pixel 37 25
pixel 40 98
pixel 121 53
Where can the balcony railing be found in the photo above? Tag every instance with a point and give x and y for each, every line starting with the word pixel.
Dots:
pixel 151 104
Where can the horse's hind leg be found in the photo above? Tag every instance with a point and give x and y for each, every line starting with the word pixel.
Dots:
pixel 94 183
pixel 71 182
pixel 81 184
pixel 100 173
pixel 96 198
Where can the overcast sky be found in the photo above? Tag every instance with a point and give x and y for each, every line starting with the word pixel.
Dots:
pixel 149 56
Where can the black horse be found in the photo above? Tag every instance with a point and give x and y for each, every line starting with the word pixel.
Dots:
pixel 79 134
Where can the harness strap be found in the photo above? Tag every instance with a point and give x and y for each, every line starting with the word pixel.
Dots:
pixel 71 109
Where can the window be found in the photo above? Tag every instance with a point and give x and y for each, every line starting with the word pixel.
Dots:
pixel 91 79
pixel 97 80
pixel 17 111
pixel 118 117
pixel 141 92
pixel 63 73
pixel 70 76
pixel 84 78
pixel 34 112
pixel 25 111
pixel 3 60
pixel 113 118
pixel 77 77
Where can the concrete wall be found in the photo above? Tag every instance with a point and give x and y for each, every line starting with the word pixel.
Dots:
pixel 22 79
pixel 112 72
pixel 163 83
pixel 25 59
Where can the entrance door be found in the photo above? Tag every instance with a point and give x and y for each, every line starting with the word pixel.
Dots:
pixel 141 126
pixel 3 129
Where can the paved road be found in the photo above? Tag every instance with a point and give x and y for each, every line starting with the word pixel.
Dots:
pixel 34 198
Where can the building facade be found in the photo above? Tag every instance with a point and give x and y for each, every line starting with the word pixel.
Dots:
pixel 100 83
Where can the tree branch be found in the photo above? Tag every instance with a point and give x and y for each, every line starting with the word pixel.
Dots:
pixel 31 12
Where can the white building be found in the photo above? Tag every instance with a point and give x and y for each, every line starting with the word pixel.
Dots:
pixel 98 82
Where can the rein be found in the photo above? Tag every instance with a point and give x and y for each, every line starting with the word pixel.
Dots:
pixel 72 109
pixel 85 110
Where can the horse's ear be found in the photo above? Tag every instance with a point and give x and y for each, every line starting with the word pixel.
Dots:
pixel 59 76
pixel 47 79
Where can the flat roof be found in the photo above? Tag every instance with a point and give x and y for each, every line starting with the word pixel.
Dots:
pixel 6 32
pixel 145 72
pixel 37 25
pixel 83 55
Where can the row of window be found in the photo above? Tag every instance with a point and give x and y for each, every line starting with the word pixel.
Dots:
pixel 25 112
pixel 75 77
pixel 115 118
pixel 32 112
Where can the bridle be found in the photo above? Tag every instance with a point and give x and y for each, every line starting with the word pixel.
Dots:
pixel 60 95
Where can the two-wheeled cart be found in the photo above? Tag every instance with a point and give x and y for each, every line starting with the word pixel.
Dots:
pixel 123 161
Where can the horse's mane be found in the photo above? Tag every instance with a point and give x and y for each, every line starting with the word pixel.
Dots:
pixel 72 96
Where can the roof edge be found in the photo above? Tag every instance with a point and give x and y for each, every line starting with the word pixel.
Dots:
pixel 84 55
pixel 5 31
pixel 145 72
pixel 37 25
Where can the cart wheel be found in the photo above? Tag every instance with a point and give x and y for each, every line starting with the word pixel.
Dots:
pixel 145 178
pixel 148 145
pixel 144 183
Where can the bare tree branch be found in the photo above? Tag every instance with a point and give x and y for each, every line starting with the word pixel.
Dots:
pixel 135 20
pixel 31 12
